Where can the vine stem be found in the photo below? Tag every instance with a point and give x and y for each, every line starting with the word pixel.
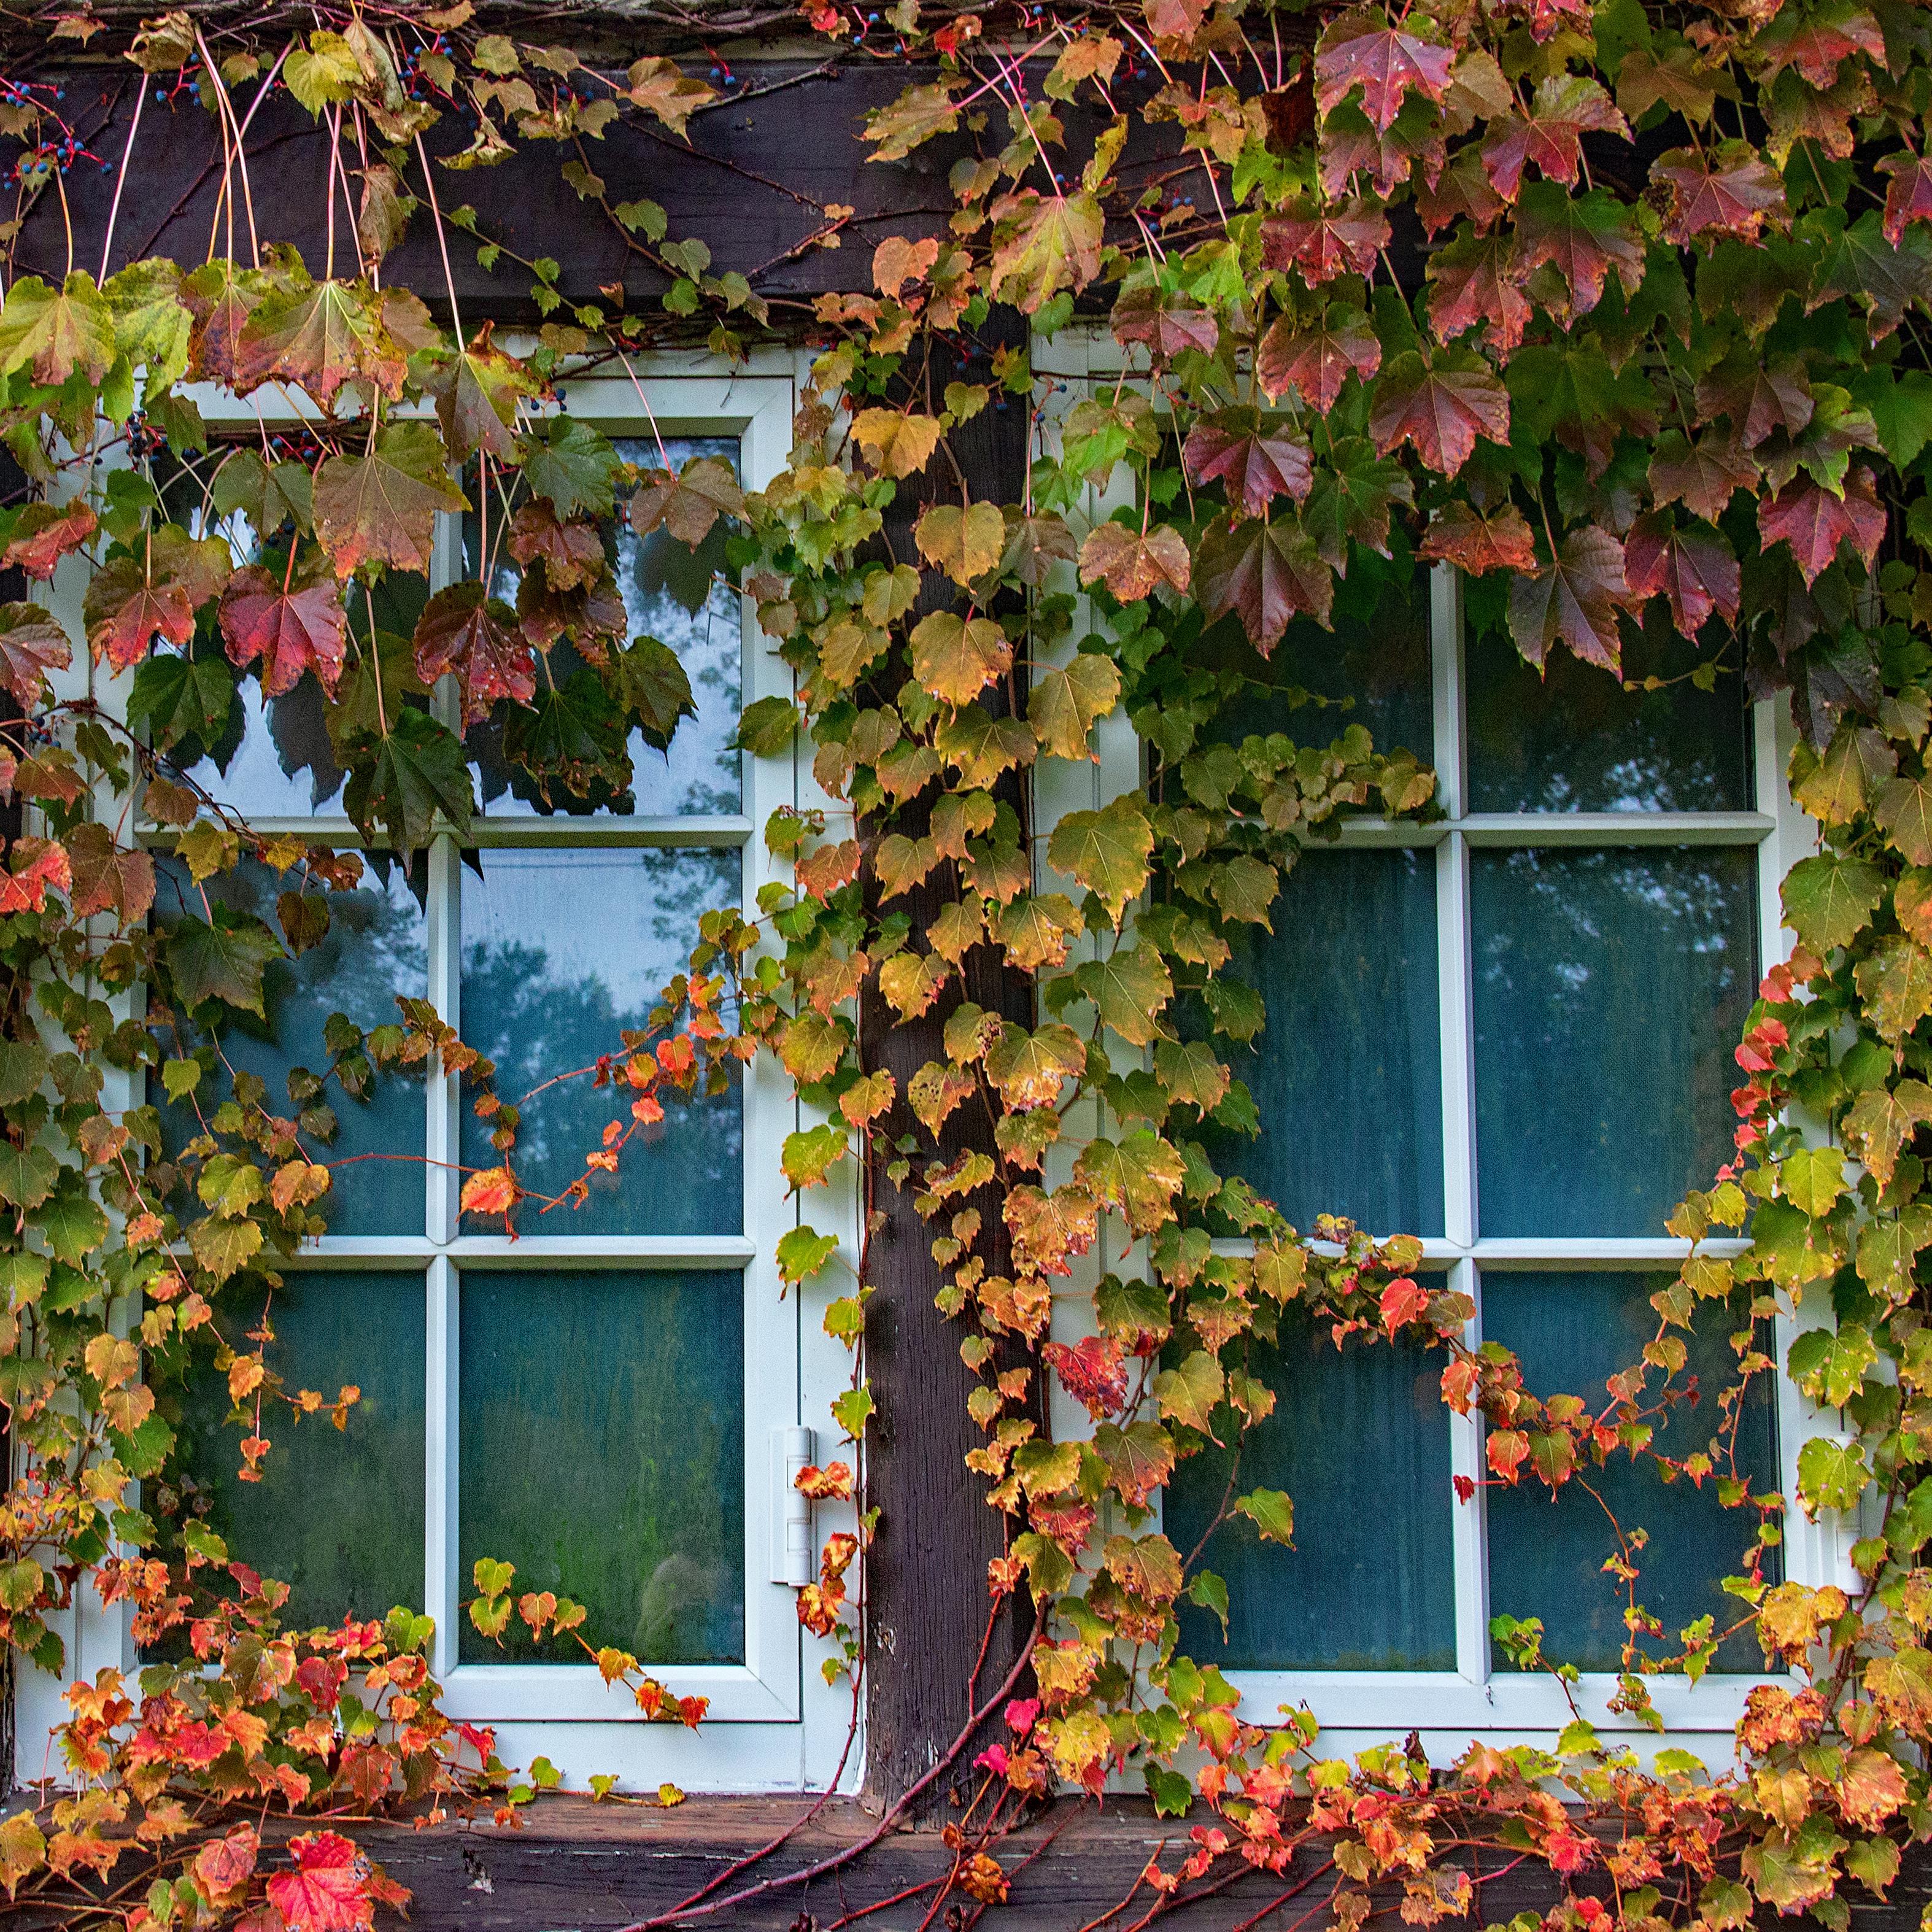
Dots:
pixel 121 181
pixel 839 1860
pixel 442 239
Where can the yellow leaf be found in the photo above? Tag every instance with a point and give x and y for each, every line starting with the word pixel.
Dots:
pixel 965 544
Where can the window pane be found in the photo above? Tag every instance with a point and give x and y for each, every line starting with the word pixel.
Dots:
pixel 1373 666
pixel 1609 987
pixel 1546 1553
pixel 1347 1073
pixel 375 948
pixel 602 1423
pixel 670 592
pixel 338 1514
pixel 1369 1584
pixel 561 951
pixel 1574 740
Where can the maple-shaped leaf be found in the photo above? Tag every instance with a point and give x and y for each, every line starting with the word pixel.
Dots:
pixel 1354 491
pixel 897 445
pixel 1254 460
pixel 956 657
pixel 1816 41
pixel 1703 477
pixel 1908 195
pixel 1043 244
pixel 476 394
pixel 1564 108
pixel 1164 321
pixel 1342 239
pixel 1887 277
pixel 1175 19
pixel 1671 72
pixel 1477 541
pixel 381 507
pixel 404 776
pixel 662 88
pixel 1815 523
pixel 1462 192
pixel 1730 190
pixel 1441 408
pixel 1573 600
pixel 572 465
pixel 917 116
pixel 319 338
pixel 108 878
pixel 328 1890
pixel 1132 563
pixel 465 630
pixel 1759 394
pixel 32 644
pixel 43 533
pixel 571 554
pixel 1697 570
pixel 125 610
pixel 1363 50
pixel 293 626
pixel 220 296
pixel 1034 544
pixel 688 504
pixel 1795 111
pixel 1266 573
pixel 655 686
pixel 1585 237
pixel 1475 285
pixel 56 332
pixel 1349 145
pixel 1316 360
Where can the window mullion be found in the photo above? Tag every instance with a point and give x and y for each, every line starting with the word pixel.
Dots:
pixel 441 1584
pixel 444 1095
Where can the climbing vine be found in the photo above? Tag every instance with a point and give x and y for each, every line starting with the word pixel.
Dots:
pixel 1616 308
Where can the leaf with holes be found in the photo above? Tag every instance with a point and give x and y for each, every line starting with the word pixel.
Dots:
pixel 1573 600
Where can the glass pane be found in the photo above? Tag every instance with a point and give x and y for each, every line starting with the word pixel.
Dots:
pixel 375 948
pixel 561 951
pixel 603 1422
pixel 670 592
pixel 1372 667
pixel 1347 1073
pixel 1369 1584
pixel 1547 1551
pixel 338 1514
pixel 1575 740
pixel 1610 988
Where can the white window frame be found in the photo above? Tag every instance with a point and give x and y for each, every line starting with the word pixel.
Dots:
pixel 773 1724
pixel 1499 1705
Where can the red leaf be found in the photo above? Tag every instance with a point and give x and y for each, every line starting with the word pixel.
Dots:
pixel 1815 523
pixel 1550 138
pixel 1167 323
pixel 1572 601
pixel 1463 535
pixel 1475 285
pixel 1908 195
pixel 32 644
pixel 328 1891
pixel 1759 394
pixel 1736 197
pixel 1440 409
pixel 1584 238
pixel 1254 461
pixel 1316 360
pixel 1695 569
pixel 1816 42
pixel 1094 1374
pixel 1341 240
pixel 1703 478
pixel 1386 65
pixel 36 866
pixel 45 533
pixel 1133 562
pixel 290 629
pixel 476 636
pixel 572 553
pixel 1462 190
pixel 125 613
pixel 1266 574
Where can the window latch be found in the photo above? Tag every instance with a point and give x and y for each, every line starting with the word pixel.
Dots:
pixel 793 1562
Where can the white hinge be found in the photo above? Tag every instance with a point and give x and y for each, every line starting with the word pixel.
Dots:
pixel 793 1561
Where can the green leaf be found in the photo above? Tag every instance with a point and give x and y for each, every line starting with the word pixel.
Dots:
pixel 808 1155
pixel 766 728
pixel 223 1248
pixel 1107 851
pixel 852 1410
pixel 1895 982
pixel 653 684
pixel 1271 1512
pixel 803 1251
pixel 1188 1393
pixel 23 1066
pixel 55 334
pixel 1131 989
pixel 27 1174
pixel 223 961
pixel 178 698
pixel 72 1224
pixel 1173 1796
pixel 1831 1474
pixel 1903 806
pixel 1829 899
pixel 415 770
pixel 1814 1179
pixel 1064 704
pixel 573 465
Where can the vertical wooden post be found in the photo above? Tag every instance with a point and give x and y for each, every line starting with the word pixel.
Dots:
pixel 927 1604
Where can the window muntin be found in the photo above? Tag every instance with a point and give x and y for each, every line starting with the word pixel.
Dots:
pixel 1612 806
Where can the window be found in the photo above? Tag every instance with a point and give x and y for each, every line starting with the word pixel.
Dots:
pixel 1508 1032
pixel 607 1401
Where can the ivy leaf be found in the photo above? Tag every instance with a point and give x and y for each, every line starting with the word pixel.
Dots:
pixel 319 336
pixel 269 495
pixel 1188 1392
pixel 1573 600
pixel 1759 395
pixel 1887 277
pixel 1730 190
pixel 290 628
pixel 766 726
pixel 1563 108
pixel 411 771
pixel 1265 572
pixel 1043 244
pixel 1895 982
pixel 27 1174
pixel 1585 237
pixel 1132 562
pixel 1166 322
pixel 1316 360
pixel 1441 408
pixel 915 117
pixel 956 657
pixel 1704 478
pixel 107 879
pixel 965 544
pixel 1351 500
pixel 1831 1474
pixel 653 685
pixel 688 504
pixel 178 698
pixel 1817 524
pixel 1271 1513
pixel 1064 702
pixel 1903 806
pixel 222 961
pixel 1255 461
pixel 56 333
pixel 476 396
pixel 381 507
pixel 32 644
pixel 1908 194
pixel 1477 541
pixel 464 630
pixel 1139 1458
pixel 1361 50
pixel 898 444
pixel 1130 989
pixel 1828 899
pixel 1140 1175
pixel 1475 282
pixel 574 732
pixel 1342 238
pixel 1108 852
pixel 1697 570
pixel 43 533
